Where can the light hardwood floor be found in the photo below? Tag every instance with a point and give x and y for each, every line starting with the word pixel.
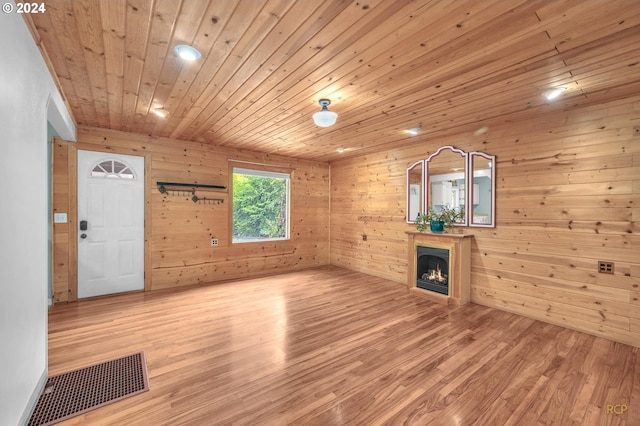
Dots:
pixel 330 346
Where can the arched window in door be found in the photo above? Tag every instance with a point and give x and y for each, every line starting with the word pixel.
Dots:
pixel 112 169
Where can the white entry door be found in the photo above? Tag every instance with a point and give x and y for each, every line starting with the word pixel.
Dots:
pixel 110 223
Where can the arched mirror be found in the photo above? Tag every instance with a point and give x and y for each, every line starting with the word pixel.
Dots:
pixel 456 182
pixel 415 200
pixel 446 171
pixel 482 204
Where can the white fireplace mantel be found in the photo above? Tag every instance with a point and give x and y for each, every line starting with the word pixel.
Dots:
pixel 459 246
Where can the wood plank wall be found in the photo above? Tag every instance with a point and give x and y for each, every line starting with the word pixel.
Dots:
pixel 62 273
pixel 181 230
pixel 568 195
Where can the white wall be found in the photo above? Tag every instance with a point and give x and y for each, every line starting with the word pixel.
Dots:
pixel 28 98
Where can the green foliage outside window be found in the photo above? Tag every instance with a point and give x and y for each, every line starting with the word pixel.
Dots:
pixel 259 207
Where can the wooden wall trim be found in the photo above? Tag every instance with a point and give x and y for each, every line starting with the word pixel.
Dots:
pixel 148 221
pixel 73 221
pixel 61 260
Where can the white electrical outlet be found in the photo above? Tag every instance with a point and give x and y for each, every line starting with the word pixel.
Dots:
pixel 214 241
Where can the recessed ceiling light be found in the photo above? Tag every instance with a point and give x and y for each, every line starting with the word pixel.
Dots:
pixel 554 93
pixel 188 53
pixel 160 112
pixel 341 150
pixel 481 131
pixel 413 132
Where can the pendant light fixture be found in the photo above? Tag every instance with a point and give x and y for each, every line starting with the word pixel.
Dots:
pixel 324 117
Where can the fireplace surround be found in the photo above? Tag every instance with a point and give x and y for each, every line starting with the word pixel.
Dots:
pixel 439 266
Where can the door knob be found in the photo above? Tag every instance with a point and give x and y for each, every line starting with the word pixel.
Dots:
pixel 83 236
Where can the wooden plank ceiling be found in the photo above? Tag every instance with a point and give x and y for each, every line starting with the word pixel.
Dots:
pixel 386 65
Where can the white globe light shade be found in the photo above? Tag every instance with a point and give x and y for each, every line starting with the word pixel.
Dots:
pixel 325 118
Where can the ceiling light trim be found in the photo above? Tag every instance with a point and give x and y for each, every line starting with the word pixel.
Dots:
pixel 186 52
pixel 554 93
pixel 160 112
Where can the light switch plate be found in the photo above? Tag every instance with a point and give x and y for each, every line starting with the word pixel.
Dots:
pixel 59 218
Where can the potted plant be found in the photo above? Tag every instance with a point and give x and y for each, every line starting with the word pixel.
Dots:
pixel 451 215
pixel 434 219
pixel 421 221
pixel 438 220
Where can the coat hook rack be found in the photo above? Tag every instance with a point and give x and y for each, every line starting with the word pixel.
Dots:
pixel 180 188
pixel 206 200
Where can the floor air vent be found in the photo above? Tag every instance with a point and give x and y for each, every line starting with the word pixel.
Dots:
pixel 70 394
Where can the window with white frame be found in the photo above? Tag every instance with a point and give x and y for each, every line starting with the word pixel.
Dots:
pixel 260 205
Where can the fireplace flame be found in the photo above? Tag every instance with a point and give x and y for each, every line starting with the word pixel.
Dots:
pixel 436 275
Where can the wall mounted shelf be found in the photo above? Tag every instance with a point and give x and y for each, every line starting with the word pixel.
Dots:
pixel 181 188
